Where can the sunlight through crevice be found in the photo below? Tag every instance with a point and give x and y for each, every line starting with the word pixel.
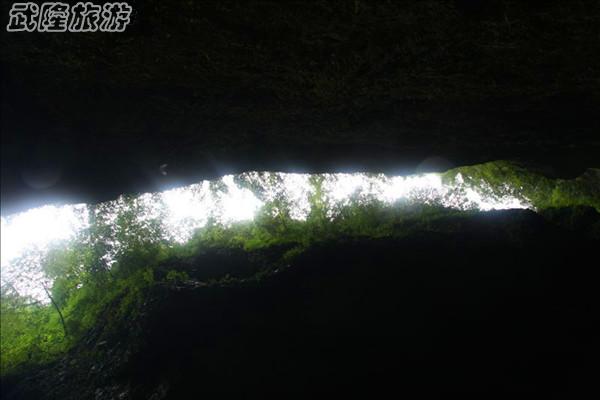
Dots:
pixel 177 213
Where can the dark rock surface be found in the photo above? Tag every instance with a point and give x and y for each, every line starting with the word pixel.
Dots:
pixel 501 302
pixel 504 304
pixel 212 88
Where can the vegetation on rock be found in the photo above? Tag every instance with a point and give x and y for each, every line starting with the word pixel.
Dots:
pixel 84 283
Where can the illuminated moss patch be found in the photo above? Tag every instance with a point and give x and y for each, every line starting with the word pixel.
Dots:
pixel 502 178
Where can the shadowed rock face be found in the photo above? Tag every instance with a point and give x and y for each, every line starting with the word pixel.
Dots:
pixel 496 302
pixel 487 303
pixel 328 86
pixel 472 311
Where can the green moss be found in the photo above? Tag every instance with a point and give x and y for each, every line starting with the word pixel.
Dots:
pixel 501 178
pixel 93 296
pixel 174 276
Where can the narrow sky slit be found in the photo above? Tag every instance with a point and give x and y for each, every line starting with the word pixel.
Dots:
pixel 27 236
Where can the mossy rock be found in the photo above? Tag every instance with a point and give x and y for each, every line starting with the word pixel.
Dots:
pixel 501 178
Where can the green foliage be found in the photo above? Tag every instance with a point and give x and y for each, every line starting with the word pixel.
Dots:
pixel 503 177
pixel 84 285
pixel 30 334
pixel 102 276
pixel 174 276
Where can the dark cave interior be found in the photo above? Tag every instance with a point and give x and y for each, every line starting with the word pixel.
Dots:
pixel 448 301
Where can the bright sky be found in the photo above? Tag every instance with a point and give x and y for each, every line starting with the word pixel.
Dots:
pixel 226 201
